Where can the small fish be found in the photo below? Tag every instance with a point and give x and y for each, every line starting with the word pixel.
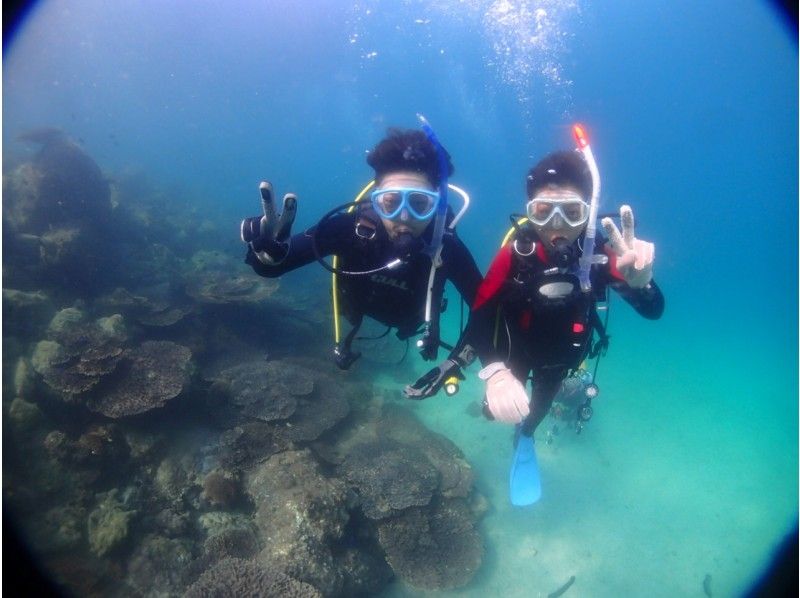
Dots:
pixel 707 585
pixel 563 588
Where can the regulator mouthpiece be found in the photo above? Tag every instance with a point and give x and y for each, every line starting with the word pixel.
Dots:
pixel 405 244
pixel 564 253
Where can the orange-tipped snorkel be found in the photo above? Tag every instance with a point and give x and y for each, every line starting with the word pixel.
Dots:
pixel 587 253
pixel 580 136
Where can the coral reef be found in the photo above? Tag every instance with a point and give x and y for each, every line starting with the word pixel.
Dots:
pixel 101 445
pixel 108 524
pixel 23 414
pixel 78 352
pixel 233 542
pixel 433 550
pixel 23 378
pixel 60 371
pixel 152 374
pixel 218 522
pixel 171 479
pixel 366 572
pixel 59 529
pixel 159 566
pixel 268 473
pixel 221 287
pixel 212 277
pixel 389 477
pixel 172 522
pixel 266 391
pixel 62 184
pixel 57 214
pixel 303 513
pixel 244 446
pixel 232 578
pixel 154 307
pixel 300 401
pixel 318 411
pixel 220 488
pixel 142 444
pixel 405 477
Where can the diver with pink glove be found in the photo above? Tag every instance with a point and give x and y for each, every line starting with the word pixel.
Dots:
pixel 535 313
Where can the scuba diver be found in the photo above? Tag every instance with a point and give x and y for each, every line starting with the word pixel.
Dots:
pixel 535 313
pixel 392 254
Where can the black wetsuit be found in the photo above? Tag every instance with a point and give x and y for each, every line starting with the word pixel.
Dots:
pixel 394 297
pixel 511 322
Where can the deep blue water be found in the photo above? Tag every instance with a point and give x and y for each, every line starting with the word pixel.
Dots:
pixel 693 113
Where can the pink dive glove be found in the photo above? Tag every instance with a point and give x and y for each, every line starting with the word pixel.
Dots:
pixel 506 397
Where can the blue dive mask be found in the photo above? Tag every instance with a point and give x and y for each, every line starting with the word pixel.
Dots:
pixel 420 203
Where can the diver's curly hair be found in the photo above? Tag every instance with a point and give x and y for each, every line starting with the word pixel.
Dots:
pixel 407 150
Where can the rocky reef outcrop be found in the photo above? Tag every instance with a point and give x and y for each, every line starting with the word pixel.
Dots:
pixel 57 215
pixel 164 437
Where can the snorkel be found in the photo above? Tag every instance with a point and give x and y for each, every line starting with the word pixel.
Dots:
pixel 587 255
pixel 434 249
pixel 429 343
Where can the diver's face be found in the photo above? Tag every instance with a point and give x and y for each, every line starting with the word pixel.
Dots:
pixel 405 222
pixel 557 228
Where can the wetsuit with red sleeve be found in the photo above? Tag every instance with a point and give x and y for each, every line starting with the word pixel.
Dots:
pixel 523 316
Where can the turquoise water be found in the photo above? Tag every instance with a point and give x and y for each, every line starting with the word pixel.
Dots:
pixel 689 466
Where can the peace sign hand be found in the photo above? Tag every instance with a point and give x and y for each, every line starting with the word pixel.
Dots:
pixel 269 235
pixel 634 256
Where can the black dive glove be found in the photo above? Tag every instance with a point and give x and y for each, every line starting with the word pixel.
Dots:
pixel 428 385
pixel 447 374
pixel 268 235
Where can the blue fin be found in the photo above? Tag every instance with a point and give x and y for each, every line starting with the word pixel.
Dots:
pixel 525 487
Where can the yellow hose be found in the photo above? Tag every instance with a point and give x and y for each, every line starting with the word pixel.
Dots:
pixel 511 230
pixel 334 284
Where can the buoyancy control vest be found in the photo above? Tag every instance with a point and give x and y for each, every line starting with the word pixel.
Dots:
pixel 348 300
pixel 543 302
